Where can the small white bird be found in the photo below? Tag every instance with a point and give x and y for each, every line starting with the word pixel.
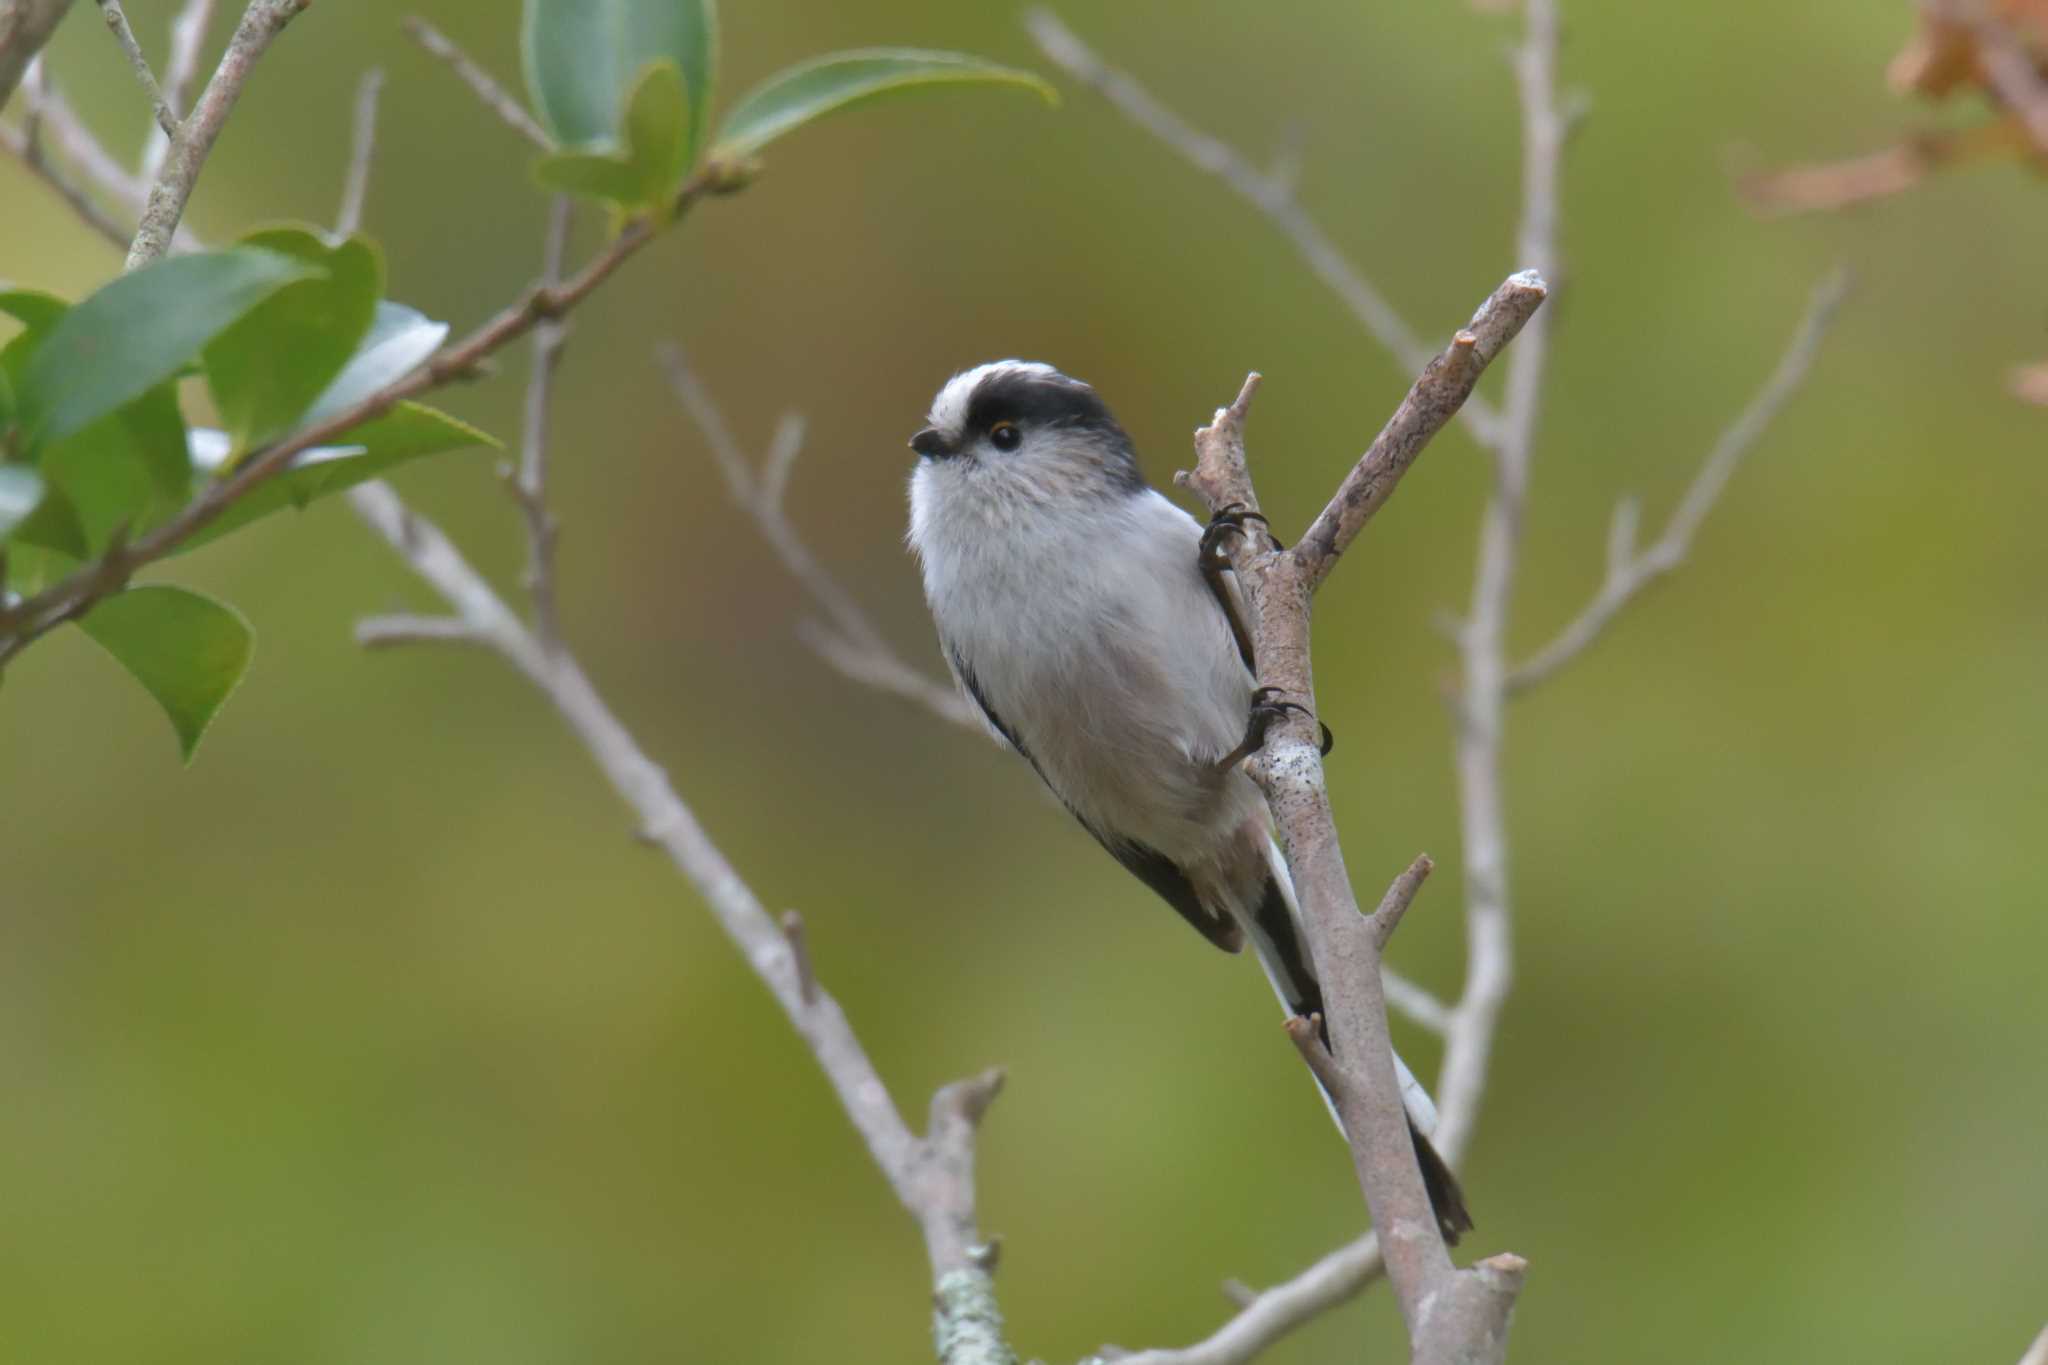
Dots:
pixel 1081 612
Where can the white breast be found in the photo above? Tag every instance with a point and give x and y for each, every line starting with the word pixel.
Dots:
pixel 1089 632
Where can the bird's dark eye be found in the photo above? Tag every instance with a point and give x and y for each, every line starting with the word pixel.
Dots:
pixel 1005 436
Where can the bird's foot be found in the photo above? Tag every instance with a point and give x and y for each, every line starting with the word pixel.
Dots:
pixel 1267 709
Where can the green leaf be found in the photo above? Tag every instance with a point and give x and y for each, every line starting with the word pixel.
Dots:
pixel 188 650
pixel 651 168
pixel 37 313
pixel 21 492
pixel 128 471
pixel 138 331
pixel 32 308
pixel 583 58
pixel 399 340
pixel 54 526
pixel 803 93
pixel 407 432
pixel 270 366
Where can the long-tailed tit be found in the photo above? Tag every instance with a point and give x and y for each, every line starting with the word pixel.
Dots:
pixel 1081 612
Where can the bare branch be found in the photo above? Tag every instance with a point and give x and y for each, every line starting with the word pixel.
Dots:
pixel 188 36
pixel 1443 387
pixel 362 151
pixel 495 97
pixel 1346 947
pixel 1271 193
pixel 261 22
pixel 1629 571
pixel 2037 1354
pixel 388 632
pixel 124 37
pixel 1482 640
pixel 850 642
pixel 1274 1313
pixel 26 145
pixel 1400 895
pixel 25 25
pixel 932 1175
pixel 52 113
pixel 529 483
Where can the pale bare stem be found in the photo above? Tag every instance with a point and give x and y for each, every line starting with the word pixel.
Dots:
pixel 25 25
pixel 1271 193
pixel 188 36
pixel 124 36
pixel 2037 1354
pixel 174 183
pixel 850 643
pixel 932 1174
pixel 1629 571
pixel 495 97
pixel 529 482
pixel 1346 946
pixel 68 136
pixel 355 186
pixel 1489 936
pixel 1273 1313
pixel 25 144
pixel 388 632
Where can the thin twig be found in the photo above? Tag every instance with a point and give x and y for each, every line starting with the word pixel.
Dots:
pixel 1630 571
pixel 495 97
pixel 26 145
pixel 25 26
pixel 529 483
pixel 1270 192
pixel 1489 948
pixel 1280 1310
pixel 174 183
pixel 386 632
pixel 80 148
pixel 355 186
pixel 932 1174
pixel 850 643
pixel 188 37
pixel 2037 1354
pixel 124 37
pixel 1346 947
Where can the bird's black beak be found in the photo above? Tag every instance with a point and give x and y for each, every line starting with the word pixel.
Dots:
pixel 930 444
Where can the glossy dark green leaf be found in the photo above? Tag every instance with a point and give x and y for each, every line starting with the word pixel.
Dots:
pixel 269 366
pixel 400 339
pixel 136 332
pixel 583 57
pixel 53 527
pixel 129 470
pixel 648 171
pixel 37 313
pixel 21 492
pixel 808 91
pixel 408 432
pixel 186 649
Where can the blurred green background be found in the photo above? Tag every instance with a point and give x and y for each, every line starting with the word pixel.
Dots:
pixel 374 1037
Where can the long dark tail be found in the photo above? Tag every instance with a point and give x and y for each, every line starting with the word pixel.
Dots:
pixel 1276 935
